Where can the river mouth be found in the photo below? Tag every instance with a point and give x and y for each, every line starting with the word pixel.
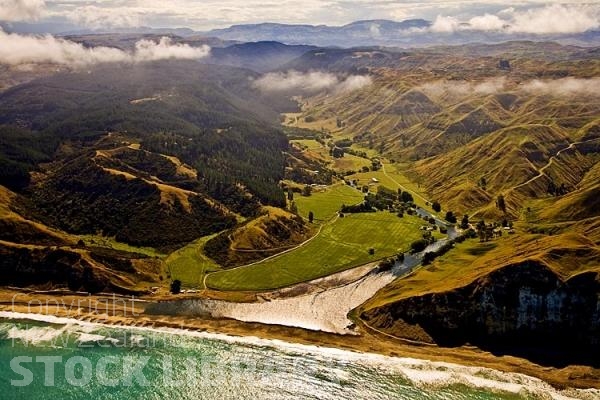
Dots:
pixel 321 305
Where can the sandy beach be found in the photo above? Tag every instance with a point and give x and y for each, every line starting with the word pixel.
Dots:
pixel 131 313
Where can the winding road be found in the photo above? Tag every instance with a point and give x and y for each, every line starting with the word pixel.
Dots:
pixel 542 171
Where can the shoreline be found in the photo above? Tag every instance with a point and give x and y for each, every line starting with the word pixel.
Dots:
pixel 420 372
pixel 571 377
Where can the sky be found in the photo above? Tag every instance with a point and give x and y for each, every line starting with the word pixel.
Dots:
pixel 448 15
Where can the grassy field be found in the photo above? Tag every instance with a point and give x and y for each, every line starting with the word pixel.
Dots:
pixel 309 144
pixel 347 163
pixel 341 245
pixel 326 204
pixel 189 265
pixel 350 163
pixel 393 179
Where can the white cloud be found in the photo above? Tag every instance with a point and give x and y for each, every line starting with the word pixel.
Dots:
pixel 464 88
pixel 564 87
pixel 487 22
pixel 445 24
pixel 553 87
pixel 20 49
pixel 354 82
pixel 309 82
pixel 21 10
pixel 148 50
pixel 375 31
pixel 556 18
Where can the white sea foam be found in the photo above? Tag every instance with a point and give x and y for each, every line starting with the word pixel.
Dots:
pixel 35 334
pixel 419 372
pixel 90 338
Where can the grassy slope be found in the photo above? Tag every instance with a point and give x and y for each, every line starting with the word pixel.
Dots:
pixel 189 265
pixel 340 245
pixel 567 255
pixel 347 163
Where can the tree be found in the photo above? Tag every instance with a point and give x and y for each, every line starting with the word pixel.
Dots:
pixel 386 265
pixel 176 286
pixel 407 197
pixel 311 216
pixel 501 204
pixel 482 231
pixel 418 245
pixel 436 206
pixel 450 217
pixel 464 223
pixel 290 194
pixel 337 152
pixel 400 257
pixel 428 258
pixel 306 190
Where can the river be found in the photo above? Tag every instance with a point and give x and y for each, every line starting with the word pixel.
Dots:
pixel 324 306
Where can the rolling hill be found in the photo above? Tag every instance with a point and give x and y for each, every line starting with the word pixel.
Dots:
pixel 504 135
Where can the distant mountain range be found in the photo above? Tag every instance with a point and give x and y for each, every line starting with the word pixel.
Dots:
pixel 408 33
pixel 371 32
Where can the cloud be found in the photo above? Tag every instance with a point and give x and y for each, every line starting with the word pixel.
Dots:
pixel 102 17
pixel 148 50
pixel 564 87
pixel 464 88
pixel 309 82
pixel 354 82
pixel 556 18
pixel 21 10
pixel 553 87
pixel 20 49
pixel 375 30
pixel 487 22
pixel 445 24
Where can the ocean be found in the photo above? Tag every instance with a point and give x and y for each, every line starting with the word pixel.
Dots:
pixel 45 357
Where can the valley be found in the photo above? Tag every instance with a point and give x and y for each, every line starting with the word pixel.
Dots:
pixel 428 201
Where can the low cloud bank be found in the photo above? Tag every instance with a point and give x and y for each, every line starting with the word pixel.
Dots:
pixel 564 87
pixel 552 19
pixel 309 82
pixel 464 88
pixel 18 49
pixel 555 87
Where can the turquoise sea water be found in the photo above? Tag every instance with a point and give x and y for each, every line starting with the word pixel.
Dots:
pixel 99 362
